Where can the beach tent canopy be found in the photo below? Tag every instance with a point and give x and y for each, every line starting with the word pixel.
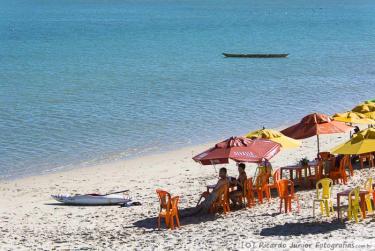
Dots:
pixel 365 107
pixel 275 136
pixel 239 149
pixel 353 117
pixel 315 124
pixel 362 142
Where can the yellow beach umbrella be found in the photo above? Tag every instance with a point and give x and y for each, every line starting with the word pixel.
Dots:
pixel 365 107
pixel 362 142
pixel 353 117
pixel 275 136
pixel 370 115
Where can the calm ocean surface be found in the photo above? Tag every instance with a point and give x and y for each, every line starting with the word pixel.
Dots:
pixel 87 81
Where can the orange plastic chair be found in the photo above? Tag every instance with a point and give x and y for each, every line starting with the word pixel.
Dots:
pixel 168 209
pixel 174 212
pixel 324 155
pixel 243 196
pixel 368 157
pixel 222 201
pixel 249 193
pixel 339 175
pixel 286 194
pixel 313 178
pixel 275 178
pixel 327 165
pixel 349 164
pixel 261 187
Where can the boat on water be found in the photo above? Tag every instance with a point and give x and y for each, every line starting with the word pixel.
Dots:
pixel 230 55
pixel 92 199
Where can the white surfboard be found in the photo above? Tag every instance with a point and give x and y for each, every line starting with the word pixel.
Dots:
pixel 92 199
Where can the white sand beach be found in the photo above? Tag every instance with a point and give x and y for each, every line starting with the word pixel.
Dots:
pixel 31 219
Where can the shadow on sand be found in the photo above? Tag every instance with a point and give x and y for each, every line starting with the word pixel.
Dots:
pixel 151 223
pixel 78 205
pixel 302 228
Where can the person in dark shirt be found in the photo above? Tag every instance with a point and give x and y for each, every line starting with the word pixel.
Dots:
pixel 239 182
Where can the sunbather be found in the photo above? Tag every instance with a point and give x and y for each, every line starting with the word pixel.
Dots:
pixel 209 198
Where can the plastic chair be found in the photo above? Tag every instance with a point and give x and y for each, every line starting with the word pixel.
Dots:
pixel 327 165
pixel 324 155
pixel 348 164
pixel 241 197
pixel 222 200
pixel 314 178
pixel 275 178
pixel 248 193
pixel 368 187
pixel 286 194
pixel 174 212
pixel 368 157
pixel 353 207
pixel 323 196
pixel 339 175
pixel 165 207
pixel 261 187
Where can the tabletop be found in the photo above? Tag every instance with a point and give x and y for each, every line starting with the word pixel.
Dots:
pixel 295 167
pixel 346 192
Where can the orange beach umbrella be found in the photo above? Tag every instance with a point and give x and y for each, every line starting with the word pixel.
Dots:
pixel 315 124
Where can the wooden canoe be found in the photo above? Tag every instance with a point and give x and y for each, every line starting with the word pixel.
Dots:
pixel 229 55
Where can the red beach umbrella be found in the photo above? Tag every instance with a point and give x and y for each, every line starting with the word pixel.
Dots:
pixel 239 149
pixel 315 124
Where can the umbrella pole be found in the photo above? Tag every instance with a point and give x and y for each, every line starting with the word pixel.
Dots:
pixel 213 163
pixel 317 137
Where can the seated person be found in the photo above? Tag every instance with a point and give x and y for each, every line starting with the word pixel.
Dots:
pixel 355 131
pixel 240 182
pixel 211 197
pixel 337 161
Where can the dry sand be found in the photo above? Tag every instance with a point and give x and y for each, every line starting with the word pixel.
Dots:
pixel 30 219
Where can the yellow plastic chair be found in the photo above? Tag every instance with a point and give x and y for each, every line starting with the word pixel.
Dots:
pixel 354 208
pixel 323 196
pixel 368 187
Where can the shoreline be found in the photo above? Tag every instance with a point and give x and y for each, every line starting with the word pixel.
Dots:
pixel 108 162
pixel 114 164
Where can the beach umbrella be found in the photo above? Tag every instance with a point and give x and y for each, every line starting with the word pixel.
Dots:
pixel 362 142
pixel 353 117
pixel 239 149
pixel 315 124
pixel 370 115
pixel 275 136
pixel 371 100
pixel 365 107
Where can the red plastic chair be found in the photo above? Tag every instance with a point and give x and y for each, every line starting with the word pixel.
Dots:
pixel 286 194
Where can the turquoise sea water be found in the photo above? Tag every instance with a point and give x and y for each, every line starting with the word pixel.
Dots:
pixel 84 81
